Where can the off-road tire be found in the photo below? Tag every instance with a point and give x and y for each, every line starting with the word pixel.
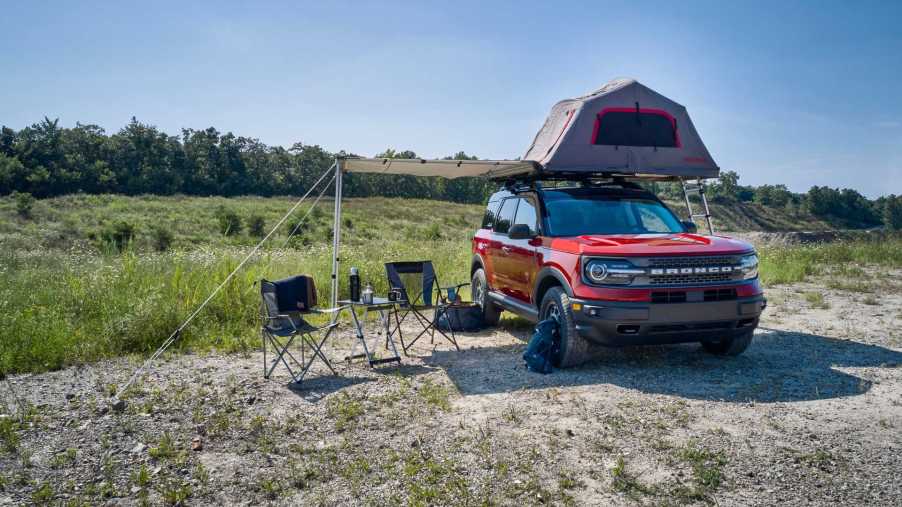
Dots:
pixel 479 287
pixel 572 349
pixel 729 346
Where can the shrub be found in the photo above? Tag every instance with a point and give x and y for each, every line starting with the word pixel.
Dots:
pixel 120 234
pixel 434 232
pixel 24 203
pixel 256 226
pixel 162 238
pixel 296 226
pixel 892 212
pixel 229 221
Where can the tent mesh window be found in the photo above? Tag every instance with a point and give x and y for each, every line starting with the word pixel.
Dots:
pixel 632 128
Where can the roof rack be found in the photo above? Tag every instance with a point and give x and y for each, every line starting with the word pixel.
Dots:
pixel 540 175
pixel 520 185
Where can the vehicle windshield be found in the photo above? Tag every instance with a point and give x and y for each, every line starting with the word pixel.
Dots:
pixel 576 214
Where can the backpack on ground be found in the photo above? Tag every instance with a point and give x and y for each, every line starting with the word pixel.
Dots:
pixel 538 351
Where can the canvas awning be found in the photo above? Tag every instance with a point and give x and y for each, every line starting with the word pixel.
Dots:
pixel 443 168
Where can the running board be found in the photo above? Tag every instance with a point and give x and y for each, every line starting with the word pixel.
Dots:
pixel 510 304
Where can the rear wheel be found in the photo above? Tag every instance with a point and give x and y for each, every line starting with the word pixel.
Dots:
pixel 491 314
pixel 572 349
pixel 732 346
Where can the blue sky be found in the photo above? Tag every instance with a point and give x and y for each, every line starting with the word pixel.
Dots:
pixel 801 93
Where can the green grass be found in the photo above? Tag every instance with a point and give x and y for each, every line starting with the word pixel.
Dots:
pixel 345 410
pixel 66 297
pixel 780 265
pixel 816 300
pixel 436 395
pixel 74 305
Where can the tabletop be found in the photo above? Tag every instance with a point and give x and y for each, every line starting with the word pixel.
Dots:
pixel 377 302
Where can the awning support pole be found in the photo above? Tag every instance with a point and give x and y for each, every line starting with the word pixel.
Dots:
pixel 336 235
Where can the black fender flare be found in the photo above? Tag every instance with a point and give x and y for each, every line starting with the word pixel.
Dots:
pixel 543 276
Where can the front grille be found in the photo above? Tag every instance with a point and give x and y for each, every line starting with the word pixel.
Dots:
pixel 720 295
pixel 691 262
pixel 678 296
pixel 673 296
pixel 688 262
pixel 689 279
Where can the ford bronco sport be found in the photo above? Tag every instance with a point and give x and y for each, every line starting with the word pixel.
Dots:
pixel 615 267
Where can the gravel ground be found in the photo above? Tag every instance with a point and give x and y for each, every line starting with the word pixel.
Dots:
pixel 810 414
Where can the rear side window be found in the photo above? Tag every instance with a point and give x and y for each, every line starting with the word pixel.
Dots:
pixel 489 218
pixel 506 215
pixel 526 215
pixel 629 127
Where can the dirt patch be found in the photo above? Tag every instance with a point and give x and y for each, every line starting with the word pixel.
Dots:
pixel 810 414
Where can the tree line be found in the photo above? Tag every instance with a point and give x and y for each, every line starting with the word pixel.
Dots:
pixel 46 160
pixel 842 207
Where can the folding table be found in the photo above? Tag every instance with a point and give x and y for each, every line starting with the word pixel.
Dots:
pixel 386 310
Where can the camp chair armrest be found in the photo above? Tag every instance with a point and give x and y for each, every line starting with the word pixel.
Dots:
pixel 329 310
pixel 281 316
pixel 455 286
pixel 325 326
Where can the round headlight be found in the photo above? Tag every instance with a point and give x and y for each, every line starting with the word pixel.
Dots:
pixel 749 266
pixel 597 271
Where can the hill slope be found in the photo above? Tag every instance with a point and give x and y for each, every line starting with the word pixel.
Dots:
pixel 64 222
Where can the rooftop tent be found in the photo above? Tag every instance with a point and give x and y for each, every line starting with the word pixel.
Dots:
pixel 626 128
pixel 623 128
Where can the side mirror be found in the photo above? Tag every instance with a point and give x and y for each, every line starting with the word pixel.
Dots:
pixel 690 226
pixel 520 231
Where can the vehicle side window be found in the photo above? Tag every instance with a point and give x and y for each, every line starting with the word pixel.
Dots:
pixel 489 218
pixel 526 214
pixel 506 215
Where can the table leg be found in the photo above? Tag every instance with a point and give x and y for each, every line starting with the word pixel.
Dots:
pixel 388 334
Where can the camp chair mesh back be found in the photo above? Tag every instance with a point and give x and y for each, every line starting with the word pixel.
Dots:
pixel 415 279
pixel 418 284
pixel 284 302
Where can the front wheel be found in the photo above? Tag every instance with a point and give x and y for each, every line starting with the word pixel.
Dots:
pixel 732 346
pixel 479 287
pixel 572 349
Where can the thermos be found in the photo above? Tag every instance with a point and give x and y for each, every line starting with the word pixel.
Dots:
pixel 355 285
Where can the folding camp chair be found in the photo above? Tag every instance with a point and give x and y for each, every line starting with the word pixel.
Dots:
pixel 285 302
pixel 418 284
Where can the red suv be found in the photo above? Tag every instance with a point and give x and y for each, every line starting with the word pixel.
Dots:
pixel 616 267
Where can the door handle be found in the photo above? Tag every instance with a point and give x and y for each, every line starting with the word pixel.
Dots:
pixel 506 249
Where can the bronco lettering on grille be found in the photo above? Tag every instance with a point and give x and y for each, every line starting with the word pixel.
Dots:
pixel 693 271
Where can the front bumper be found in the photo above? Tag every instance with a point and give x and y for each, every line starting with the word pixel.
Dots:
pixel 626 323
